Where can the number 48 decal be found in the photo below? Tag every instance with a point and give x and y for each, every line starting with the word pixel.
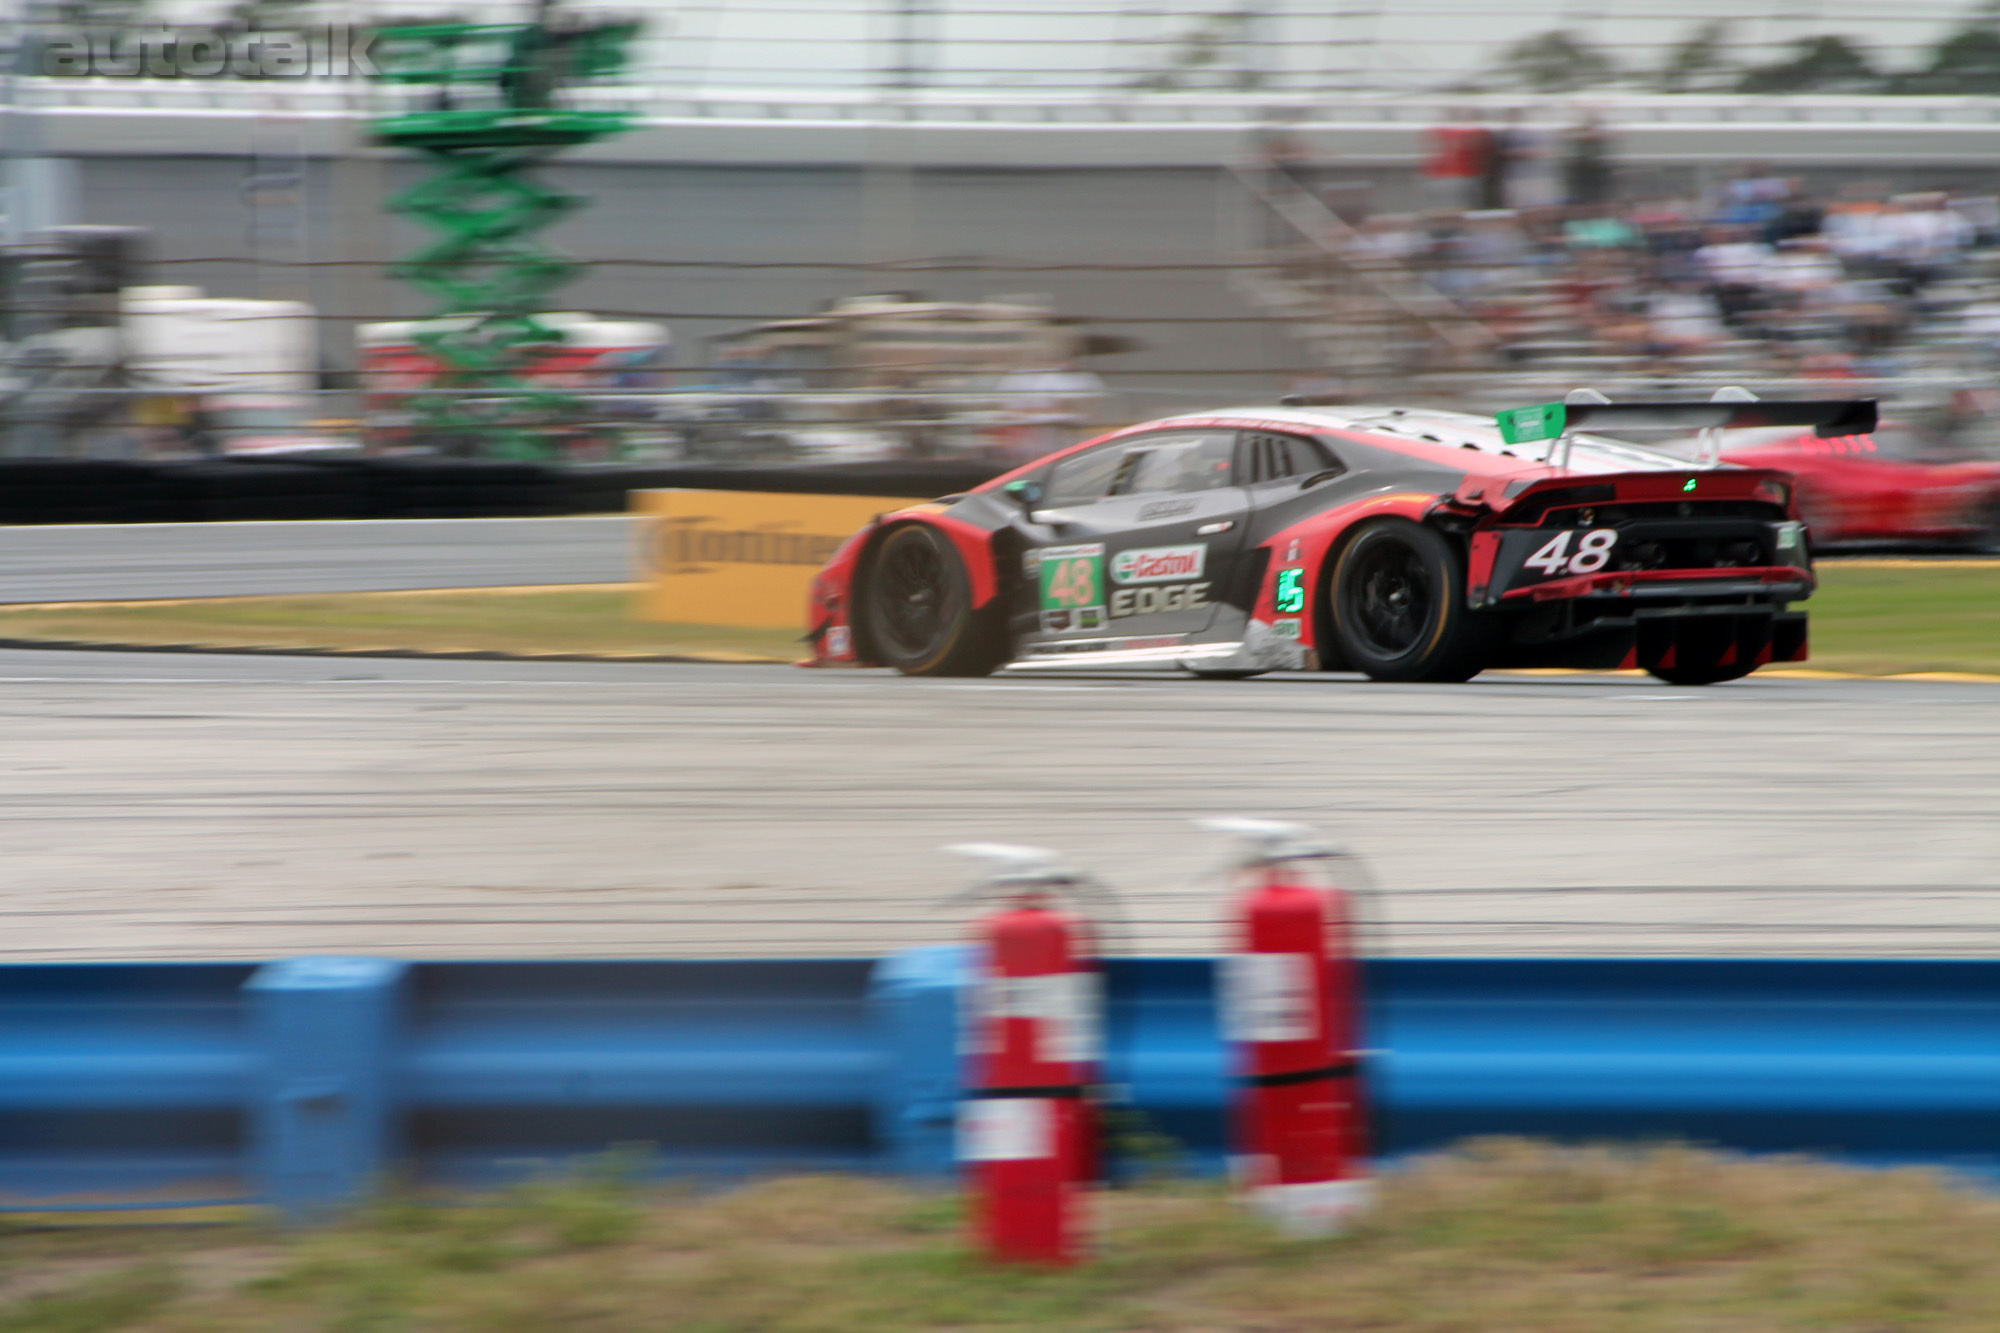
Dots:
pixel 1593 553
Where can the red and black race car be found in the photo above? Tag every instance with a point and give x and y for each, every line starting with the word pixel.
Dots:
pixel 1410 545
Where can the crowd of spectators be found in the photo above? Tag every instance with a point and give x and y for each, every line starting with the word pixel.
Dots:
pixel 1529 232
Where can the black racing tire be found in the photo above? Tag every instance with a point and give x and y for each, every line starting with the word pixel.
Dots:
pixel 1988 539
pixel 1398 603
pixel 915 608
pixel 1699 675
pixel 1701 643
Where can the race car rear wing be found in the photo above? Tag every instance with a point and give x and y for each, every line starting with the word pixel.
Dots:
pixel 1548 421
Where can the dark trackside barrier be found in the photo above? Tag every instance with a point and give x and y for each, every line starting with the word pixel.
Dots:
pixel 920 479
pixel 303 1082
pixel 40 491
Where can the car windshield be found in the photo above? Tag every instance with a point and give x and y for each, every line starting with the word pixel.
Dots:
pixel 1198 464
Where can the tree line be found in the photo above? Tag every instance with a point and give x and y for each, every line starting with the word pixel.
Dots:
pixel 1964 62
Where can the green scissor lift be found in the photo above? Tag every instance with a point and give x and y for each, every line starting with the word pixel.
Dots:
pixel 489 110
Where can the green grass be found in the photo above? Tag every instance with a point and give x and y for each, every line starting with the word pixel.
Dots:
pixel 1871 617
pixel 536 621
pixel 1879 618
pixel 117 1299
pixel 1500 1237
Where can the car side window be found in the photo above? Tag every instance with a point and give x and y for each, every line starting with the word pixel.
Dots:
pixel 1165 464
pixel 1278 457
pixel 1082 478
pixel 1266 457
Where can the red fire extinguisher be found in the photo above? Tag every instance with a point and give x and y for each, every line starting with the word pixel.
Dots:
pixel 1290 1003
pixel 1026 1128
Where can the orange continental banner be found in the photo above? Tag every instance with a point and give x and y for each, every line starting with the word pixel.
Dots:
pixel 741 557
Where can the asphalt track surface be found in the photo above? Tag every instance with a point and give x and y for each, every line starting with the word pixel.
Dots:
pixel 88 562
pixel 189 806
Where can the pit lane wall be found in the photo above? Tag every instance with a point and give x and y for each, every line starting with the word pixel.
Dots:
pixel 302 1082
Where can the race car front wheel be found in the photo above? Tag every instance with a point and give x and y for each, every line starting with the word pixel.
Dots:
pixel 1399 609
pixel 916 608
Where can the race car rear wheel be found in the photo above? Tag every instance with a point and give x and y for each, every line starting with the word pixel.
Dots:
pixel 1988 539
pixel 1699 675
pixel 1399 611
pixel 1706 651
pixel 916 608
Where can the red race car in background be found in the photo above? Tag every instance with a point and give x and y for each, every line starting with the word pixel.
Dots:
pixel 1894 487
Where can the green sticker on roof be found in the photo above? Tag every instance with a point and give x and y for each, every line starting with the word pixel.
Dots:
pixel 1521 425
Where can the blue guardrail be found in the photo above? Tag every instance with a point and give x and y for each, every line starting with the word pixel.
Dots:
pixel 301 1082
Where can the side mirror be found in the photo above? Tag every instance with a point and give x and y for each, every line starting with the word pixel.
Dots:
pixel 1025 493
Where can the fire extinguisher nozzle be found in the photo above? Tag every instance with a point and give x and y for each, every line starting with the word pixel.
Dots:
pixel 1271 840
pixel 1004 854
pixel 1010 863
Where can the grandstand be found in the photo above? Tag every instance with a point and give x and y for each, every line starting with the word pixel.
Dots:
pixel 1103 156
